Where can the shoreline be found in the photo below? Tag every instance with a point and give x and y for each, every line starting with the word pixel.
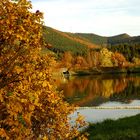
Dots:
pixel 106 70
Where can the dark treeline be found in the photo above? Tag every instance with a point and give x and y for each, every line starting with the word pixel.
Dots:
pixel 129 50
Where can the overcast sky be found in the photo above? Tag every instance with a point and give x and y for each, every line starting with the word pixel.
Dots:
pixel 102 17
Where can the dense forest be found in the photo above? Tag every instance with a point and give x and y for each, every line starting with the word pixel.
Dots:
pixel 129 50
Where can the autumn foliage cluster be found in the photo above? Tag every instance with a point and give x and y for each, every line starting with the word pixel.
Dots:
pixel 95 59
pixel 30 106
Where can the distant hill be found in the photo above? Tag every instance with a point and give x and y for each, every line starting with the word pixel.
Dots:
pixel 101 40
pixel 123 39
pixel 118 38
pixel 96 39
pixel 62 41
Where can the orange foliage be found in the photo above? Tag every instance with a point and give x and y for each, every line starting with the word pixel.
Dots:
pixel 120 85
pixel 80 62
pixel 119 59
pixel 67 60
pixel 30 106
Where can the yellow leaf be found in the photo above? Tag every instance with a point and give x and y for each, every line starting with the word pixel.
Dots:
pixel 45 138
pixel 45 83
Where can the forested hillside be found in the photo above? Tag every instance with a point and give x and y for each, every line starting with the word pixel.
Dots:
pixel 100 40
pixel 80 43
pixel 104 41
pixel 62 42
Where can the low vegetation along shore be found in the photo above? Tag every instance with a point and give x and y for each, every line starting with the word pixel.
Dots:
pixel 123 129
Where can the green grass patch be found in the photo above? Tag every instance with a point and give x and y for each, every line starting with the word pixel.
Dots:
pixel 122 129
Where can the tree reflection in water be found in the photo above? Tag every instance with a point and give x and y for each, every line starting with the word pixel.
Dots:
pixel 95 90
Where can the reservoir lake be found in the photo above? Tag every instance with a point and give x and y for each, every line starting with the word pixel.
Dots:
pixel 101 97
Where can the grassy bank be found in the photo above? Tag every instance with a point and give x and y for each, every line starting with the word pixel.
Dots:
pixel 122 129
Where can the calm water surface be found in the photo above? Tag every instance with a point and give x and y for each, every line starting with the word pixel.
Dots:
pixel 102 90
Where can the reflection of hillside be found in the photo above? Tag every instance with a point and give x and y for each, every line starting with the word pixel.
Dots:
pixel 75 88
pixel 85 91
pixel 119 85
pixel 92 91
pixel 130 93
pixel 135 80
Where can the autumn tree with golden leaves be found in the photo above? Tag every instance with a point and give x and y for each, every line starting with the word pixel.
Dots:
pixel 106 58
pixel 30 106
pixel 119 59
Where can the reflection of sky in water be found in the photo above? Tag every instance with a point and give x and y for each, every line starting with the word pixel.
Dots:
pixel 104 91
pixel 113 103
pixel 98 115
